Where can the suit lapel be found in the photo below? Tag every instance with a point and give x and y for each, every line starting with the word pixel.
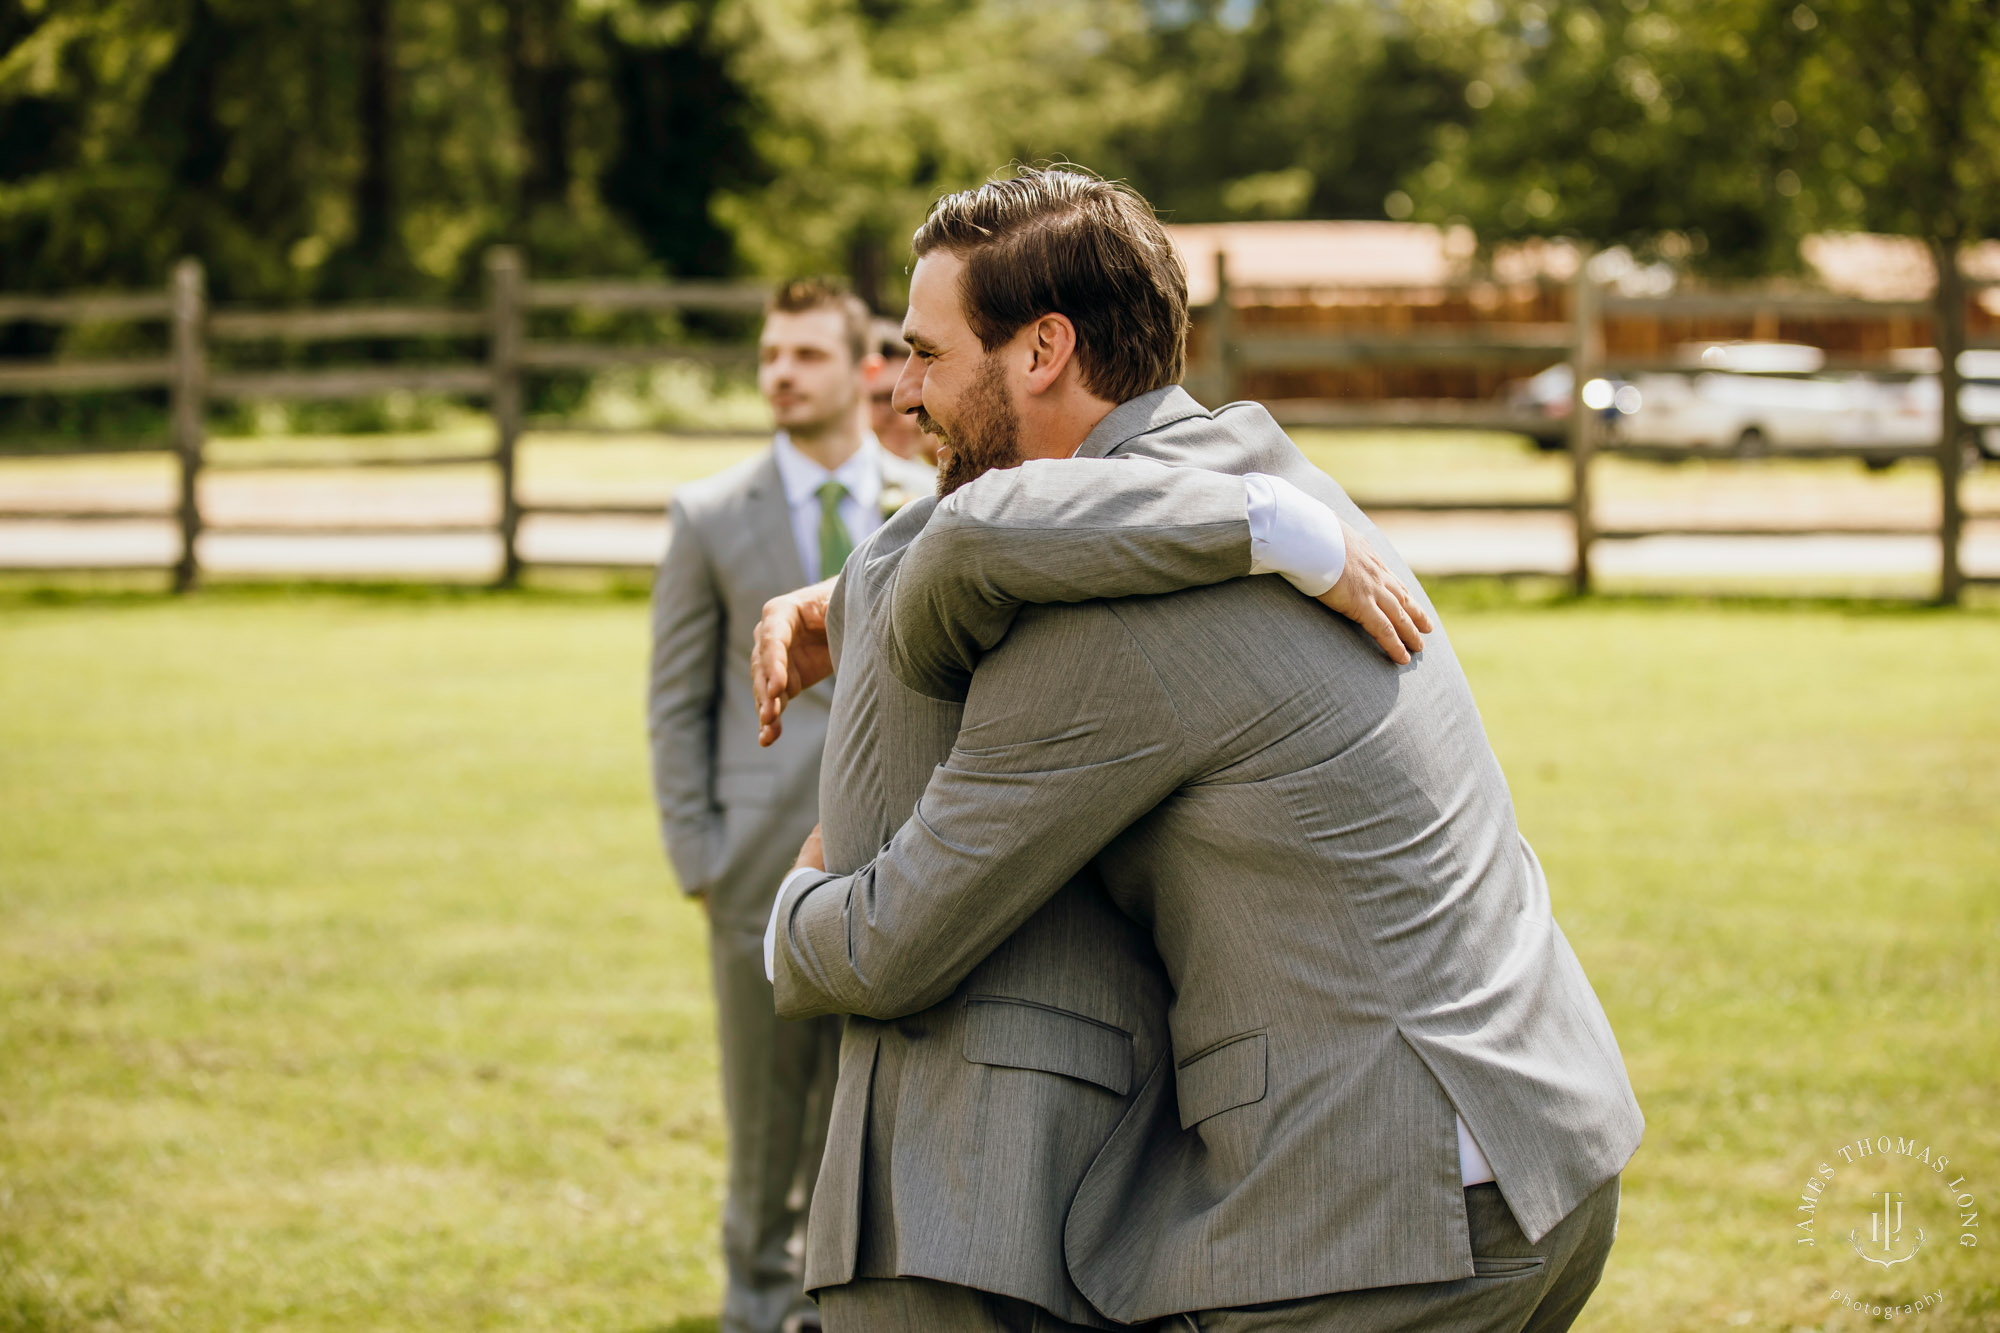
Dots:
pixel 769 524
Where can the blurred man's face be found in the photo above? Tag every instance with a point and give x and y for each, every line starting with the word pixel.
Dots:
pixel 958 392
pixel 898 433
pixel 883 419
pixel 806 370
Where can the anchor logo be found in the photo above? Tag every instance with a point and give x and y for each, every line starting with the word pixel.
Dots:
pixel 1885 1225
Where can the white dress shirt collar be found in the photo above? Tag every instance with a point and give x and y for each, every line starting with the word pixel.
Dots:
pixel 861 474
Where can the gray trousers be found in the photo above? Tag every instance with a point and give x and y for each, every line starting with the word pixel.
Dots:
pixel 1517 1288
pixel 777 1093
pixel 920 1305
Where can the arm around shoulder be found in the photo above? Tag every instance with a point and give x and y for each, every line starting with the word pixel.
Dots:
pixel 1050 531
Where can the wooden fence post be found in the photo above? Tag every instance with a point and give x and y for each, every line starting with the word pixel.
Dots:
pixel 1222 329
pixel 1950 340
pixel 1586 360
pixel 505 279
pixel 188 399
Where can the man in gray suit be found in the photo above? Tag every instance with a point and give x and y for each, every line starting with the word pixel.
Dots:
pixel 961 1133
pixel 730 811
pixel 1391 1099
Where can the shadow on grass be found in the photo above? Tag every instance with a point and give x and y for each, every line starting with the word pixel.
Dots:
pixel 688 1324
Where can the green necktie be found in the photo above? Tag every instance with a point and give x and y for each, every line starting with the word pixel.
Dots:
pixel 834 543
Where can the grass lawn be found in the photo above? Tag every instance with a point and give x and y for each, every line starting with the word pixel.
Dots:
pixel 342 984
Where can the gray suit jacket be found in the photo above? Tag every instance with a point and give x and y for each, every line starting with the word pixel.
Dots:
pixel 1008 1083
pixel 1359 940
pixel 732 815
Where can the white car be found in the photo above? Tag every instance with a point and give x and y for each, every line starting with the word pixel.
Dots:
pixel 1978 397
pixel 1756 398
pixel 1548 397
pixel 1750 399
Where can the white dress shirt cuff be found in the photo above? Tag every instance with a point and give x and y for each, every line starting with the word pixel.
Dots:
pixel 771 926
pixel 1293 535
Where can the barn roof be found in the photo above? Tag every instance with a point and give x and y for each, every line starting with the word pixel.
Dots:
pixel 1332 261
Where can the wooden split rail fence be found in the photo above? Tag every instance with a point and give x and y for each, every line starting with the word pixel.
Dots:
pixel 512 356
pixel 192 382
pixel 1529 347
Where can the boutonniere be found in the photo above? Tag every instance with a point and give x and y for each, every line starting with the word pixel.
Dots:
pixel 893 497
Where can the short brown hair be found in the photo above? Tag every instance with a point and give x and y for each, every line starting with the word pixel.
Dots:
pixel 798 295
pixel 1062 241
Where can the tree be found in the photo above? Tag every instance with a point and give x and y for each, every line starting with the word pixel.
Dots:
pixel 1659 125
pixel 329 148
pixel 1289 108
pixel 1904 99
pixel 864 111
pixel 684 134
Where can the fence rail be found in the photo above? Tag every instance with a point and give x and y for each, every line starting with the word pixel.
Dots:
pixel 85 376
pixel 1580 342
pixel 85 307
pixel 507 356
pixel 193 383
pixel 655 296
pixel 1503 344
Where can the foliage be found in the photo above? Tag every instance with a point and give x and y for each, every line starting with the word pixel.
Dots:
pixel 1293 109
pixel 370 147
pixel 1723 131
pixel 376 147
pixel 868 112
pixel 1902 98
pixel 1660 125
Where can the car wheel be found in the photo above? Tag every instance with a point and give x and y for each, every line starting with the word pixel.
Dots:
pixel 1879 462
pixel 1752 443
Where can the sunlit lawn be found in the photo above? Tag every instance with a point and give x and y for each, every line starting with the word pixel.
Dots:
pixel 342 985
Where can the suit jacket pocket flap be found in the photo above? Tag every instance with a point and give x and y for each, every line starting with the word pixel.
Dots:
pixel 1018 1034
pixel 1224 1076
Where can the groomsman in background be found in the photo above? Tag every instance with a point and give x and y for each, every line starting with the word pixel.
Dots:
pixel 899 433
pixel 731 813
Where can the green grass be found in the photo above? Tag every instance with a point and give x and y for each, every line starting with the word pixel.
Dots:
pixel 1774 838
pixel 342 984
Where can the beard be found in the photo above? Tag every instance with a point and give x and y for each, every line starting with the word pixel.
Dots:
pixel 986 436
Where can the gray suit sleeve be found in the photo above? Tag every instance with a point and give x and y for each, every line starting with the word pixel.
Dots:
pixel 680 712
pixel 1067 737
pixel 1069 530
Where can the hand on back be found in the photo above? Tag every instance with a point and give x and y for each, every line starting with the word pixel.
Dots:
pixel 789 654
pixel 1371 596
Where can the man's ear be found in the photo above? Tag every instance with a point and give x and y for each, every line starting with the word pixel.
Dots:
pixel 1051 348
